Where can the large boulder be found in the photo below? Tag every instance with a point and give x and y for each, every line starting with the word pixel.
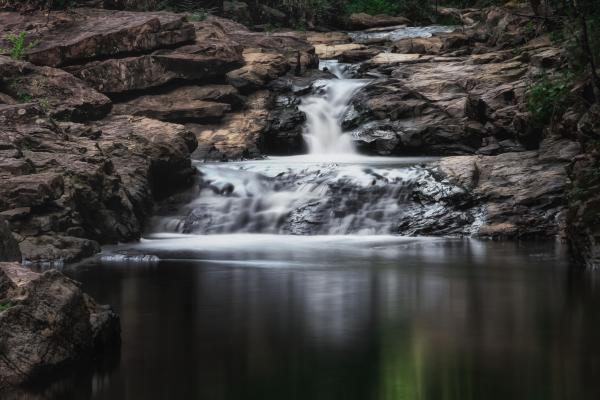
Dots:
pixel 48 323
pixel 521 195
pixel 60 93
pixel 388 117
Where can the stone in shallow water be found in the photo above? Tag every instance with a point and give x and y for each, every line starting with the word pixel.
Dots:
pixel 48 323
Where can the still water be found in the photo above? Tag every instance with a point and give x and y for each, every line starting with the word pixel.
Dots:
pixel 344 317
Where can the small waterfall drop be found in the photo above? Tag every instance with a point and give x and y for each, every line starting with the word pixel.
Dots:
pixel 324 109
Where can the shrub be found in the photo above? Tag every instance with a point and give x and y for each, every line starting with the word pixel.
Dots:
pixel 18 46
pixel 548 97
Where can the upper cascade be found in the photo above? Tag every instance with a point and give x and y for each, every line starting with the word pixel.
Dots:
pixel 324 110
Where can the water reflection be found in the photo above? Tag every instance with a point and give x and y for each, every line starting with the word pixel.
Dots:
pixel 385 319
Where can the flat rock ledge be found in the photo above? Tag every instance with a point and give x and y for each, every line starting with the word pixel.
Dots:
pixel 48 323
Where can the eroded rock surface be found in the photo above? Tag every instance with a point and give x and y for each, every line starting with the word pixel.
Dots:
pixel 48 323
pixel 67 187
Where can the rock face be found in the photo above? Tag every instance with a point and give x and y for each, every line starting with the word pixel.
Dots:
pixel 48 323
pixel 208 102
pixel 239 134
pixel 522 194
pixel 65 97
pixel 67 187
pixel 94 33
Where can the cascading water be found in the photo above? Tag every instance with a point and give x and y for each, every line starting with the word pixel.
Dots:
pixel 323 132
pixel 331 191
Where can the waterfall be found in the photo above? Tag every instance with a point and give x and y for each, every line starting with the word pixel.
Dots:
pixel 324 109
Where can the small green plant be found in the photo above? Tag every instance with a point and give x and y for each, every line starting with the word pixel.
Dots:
pixel 199 15
pixel 5 305
pixel 548 97
pixel 44 103
pixel 25 98
pixel 18 45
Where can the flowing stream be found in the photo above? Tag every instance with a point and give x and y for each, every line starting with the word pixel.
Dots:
pixel 288 278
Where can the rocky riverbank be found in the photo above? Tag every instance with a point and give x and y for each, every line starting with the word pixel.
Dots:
pixel 100 117
pixel 108 106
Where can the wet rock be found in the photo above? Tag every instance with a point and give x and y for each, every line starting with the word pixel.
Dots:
pixel 60 93
pixel 390 106
pixel 208 102
pixel 366 21
pixel 49 324
pixel 522 195
pixel 283 133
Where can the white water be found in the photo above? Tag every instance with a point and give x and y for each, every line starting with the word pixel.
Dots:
pixel 323 132
pixel 401 33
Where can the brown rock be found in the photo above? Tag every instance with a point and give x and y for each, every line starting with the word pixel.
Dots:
pixel 144 72
pixel 92 33
pixel 260 68
pixel 185 103
pixel 239 135
pixel 49 324
pixel 83 186
pixel 60 93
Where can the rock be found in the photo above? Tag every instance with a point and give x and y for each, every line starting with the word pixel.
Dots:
pixel 149 71
pixel 431 45
pixel 260 68
pixel 185 103
pixel 299 54
pixel 357 55
pixel 238 136
pixel 521 195
pixel 366 21
pixel 395 58
pixel 66 189
pixel 327 51
pixel 49 324
pixel 386 108
pixel 285 123
pixel 65 38
pixel 327 38
pixel 9 248
pixel 151 157
pixel 60 93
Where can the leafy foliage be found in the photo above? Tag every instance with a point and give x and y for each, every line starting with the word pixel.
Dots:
pixel 18 45
pixel 549 97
